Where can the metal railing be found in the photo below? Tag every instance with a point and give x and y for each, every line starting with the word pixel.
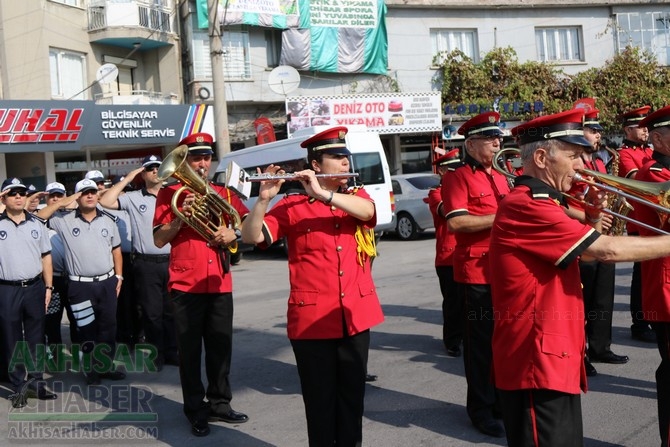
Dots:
pixel 149 15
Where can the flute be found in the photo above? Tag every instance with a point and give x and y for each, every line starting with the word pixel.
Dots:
pixel 292 176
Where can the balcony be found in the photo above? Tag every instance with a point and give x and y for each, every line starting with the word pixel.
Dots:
pixel 136 97
pixel 123 23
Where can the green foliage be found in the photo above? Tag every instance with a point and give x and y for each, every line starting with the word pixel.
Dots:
pixel 631 79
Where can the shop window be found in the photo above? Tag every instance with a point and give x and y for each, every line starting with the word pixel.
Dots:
pixel 68 74
pixel 647 30
pixel 559 44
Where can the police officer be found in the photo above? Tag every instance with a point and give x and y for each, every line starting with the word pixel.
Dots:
pixel 633 154
pixel 25 288
pixel 445 243
pixel 200 288
pixel 94 264
pixel 471 195
pixel 150 263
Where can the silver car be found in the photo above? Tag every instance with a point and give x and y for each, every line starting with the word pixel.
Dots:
pixel 412 214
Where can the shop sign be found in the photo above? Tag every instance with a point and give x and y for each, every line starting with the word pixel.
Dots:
pixel 383 112
pixel 514 108
pixel 47 126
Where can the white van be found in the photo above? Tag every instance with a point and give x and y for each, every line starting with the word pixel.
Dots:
pixel 367 159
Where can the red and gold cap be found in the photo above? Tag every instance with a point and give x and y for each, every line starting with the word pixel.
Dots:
pixel 450 157
pixel 660 118
pixel 330 141
pixel 485 124
pixel 633 117
pixel 199 143
pixel 565 126
pixel 591 120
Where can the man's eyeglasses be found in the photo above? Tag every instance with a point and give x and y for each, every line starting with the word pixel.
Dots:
pixel 151 168
pixel 56 194
pixel 89 192
pixel 14 193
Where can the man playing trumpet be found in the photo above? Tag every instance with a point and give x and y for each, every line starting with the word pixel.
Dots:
pixel 538 339
pixel 200 287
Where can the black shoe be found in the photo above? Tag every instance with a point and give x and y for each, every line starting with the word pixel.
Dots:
pixel 42 394
pixel 609 357
pixel 454 351
pixel 491 427
pixel 647 336
pixel 19 400
pixel 370 378
pixel 92 378
pixel 590 369
pixel 113 375
pixel 199 427
pixel 231 417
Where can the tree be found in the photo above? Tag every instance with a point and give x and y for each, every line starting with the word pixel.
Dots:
pixel 630 79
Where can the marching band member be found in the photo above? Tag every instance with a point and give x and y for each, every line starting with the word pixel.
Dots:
pixel 333 301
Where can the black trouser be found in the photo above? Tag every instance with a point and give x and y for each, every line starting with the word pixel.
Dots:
pixel 54 316
pixel 208 318
pixel 598 290
pixel 482 400
pixel 640 325
pixel 127 314
pixel 332 379
pixel 93 305
pixel 663 381
pixel 452 307
pixel 151 278
pixel 542 418
pixel 21 319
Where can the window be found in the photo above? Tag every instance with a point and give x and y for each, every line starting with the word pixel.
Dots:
pixel 69 2
pixel 559 44
pixel 68 74
pixel 445 41
pixel 648 30
pixel 273 46
pixel 236 62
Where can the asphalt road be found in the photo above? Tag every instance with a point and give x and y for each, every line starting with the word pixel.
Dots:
pixel 418 399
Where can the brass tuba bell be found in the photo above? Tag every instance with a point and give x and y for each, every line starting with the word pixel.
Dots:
pixel 209 208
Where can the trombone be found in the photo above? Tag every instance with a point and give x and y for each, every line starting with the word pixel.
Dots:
pixel 653 195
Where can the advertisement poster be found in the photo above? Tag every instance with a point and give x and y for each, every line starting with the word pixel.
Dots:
pixel 382 112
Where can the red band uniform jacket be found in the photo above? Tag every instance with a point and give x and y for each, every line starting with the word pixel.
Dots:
pixel 330 291
pixel 538 335
pixel 655 272
pixel 471 190
pixel 188 272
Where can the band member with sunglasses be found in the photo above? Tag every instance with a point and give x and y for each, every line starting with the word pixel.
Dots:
pixel 149 262
pixel 25 289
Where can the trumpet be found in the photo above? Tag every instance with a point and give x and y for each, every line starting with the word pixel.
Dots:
pixel 654 195
pixel 293 176
pixel 208 211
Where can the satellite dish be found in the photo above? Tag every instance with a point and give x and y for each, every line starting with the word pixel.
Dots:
pixel 107 73
pixel 283 79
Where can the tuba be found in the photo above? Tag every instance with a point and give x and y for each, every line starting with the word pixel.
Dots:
pixel 209 208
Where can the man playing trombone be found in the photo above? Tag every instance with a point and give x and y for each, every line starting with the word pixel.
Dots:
pixel 656 288
pixel 538 340
pixel 200 284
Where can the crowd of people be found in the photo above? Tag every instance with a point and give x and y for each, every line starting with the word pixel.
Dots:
pixel 525 267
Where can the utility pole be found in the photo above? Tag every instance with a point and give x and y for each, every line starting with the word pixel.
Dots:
pixel 221 133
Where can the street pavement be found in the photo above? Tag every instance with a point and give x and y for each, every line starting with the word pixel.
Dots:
pixel 418 399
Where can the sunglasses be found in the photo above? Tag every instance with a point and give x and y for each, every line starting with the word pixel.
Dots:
pixel 151 168
pixel 89 192
pixel 14 193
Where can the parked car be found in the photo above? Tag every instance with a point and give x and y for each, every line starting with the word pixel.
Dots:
pixel 412 214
